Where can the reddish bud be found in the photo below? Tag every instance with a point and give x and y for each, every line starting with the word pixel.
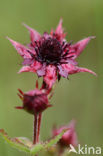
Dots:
pixel 34 101
pixel 69 137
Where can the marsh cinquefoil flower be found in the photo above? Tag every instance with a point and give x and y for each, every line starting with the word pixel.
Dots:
pixel 50 55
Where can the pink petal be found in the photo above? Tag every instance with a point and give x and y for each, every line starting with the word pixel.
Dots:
pixel 50 76
pixel 28 61
pixel 71 69
pixel 72 61
pixel 41 71
pixel 71 135
pixel 36 65
pixel 64 68
pixel 34 35
pixel 21 49
pixel 63 72
pixel 67 69
pixel 26 69
pixel 85 70
pixel 46 35
pixel 81 45
pixel 59 29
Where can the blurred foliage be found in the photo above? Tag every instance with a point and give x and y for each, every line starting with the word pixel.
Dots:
pixel 25 145
pixel 80 97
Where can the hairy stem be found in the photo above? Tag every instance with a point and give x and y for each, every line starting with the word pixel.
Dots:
pixel 39 125
pixel 35 129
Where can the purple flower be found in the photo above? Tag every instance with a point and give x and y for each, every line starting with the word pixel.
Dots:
pixel 50 55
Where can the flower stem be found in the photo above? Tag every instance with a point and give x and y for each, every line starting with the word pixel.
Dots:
pixel 39 125
pixel 35 129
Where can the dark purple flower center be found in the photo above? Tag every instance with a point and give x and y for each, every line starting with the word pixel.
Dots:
pixel 49 51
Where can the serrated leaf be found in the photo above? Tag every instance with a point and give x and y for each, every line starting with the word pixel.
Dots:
pixel 25 141
pixel 25 145
pixel 14 142
pixel 36 148
pixel 44 146
pixel 55 139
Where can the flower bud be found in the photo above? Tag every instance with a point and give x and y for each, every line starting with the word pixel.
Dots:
pixel 34 101
pixel 69 137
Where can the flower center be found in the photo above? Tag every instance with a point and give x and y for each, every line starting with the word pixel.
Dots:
pixel 50 51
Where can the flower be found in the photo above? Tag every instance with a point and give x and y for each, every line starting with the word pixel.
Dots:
pixel 69 137
pixel 34 101
pixel 50 55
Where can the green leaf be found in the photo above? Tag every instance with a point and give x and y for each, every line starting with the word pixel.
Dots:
pixel 44 146
pixel 25 145
pixel 55 140
pixel 36 148
pixel 14 142
pixel 25 141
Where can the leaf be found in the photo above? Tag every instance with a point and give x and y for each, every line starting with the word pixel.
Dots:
pixel 44 146
pixel 25 141
pixel 25 145
pixel 55 139
pixel 14 142
pixel 36 148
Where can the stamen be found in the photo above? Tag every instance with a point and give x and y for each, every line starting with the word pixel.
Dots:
pixel 50 51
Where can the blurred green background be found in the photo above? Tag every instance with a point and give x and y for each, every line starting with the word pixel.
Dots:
pixel 80 97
